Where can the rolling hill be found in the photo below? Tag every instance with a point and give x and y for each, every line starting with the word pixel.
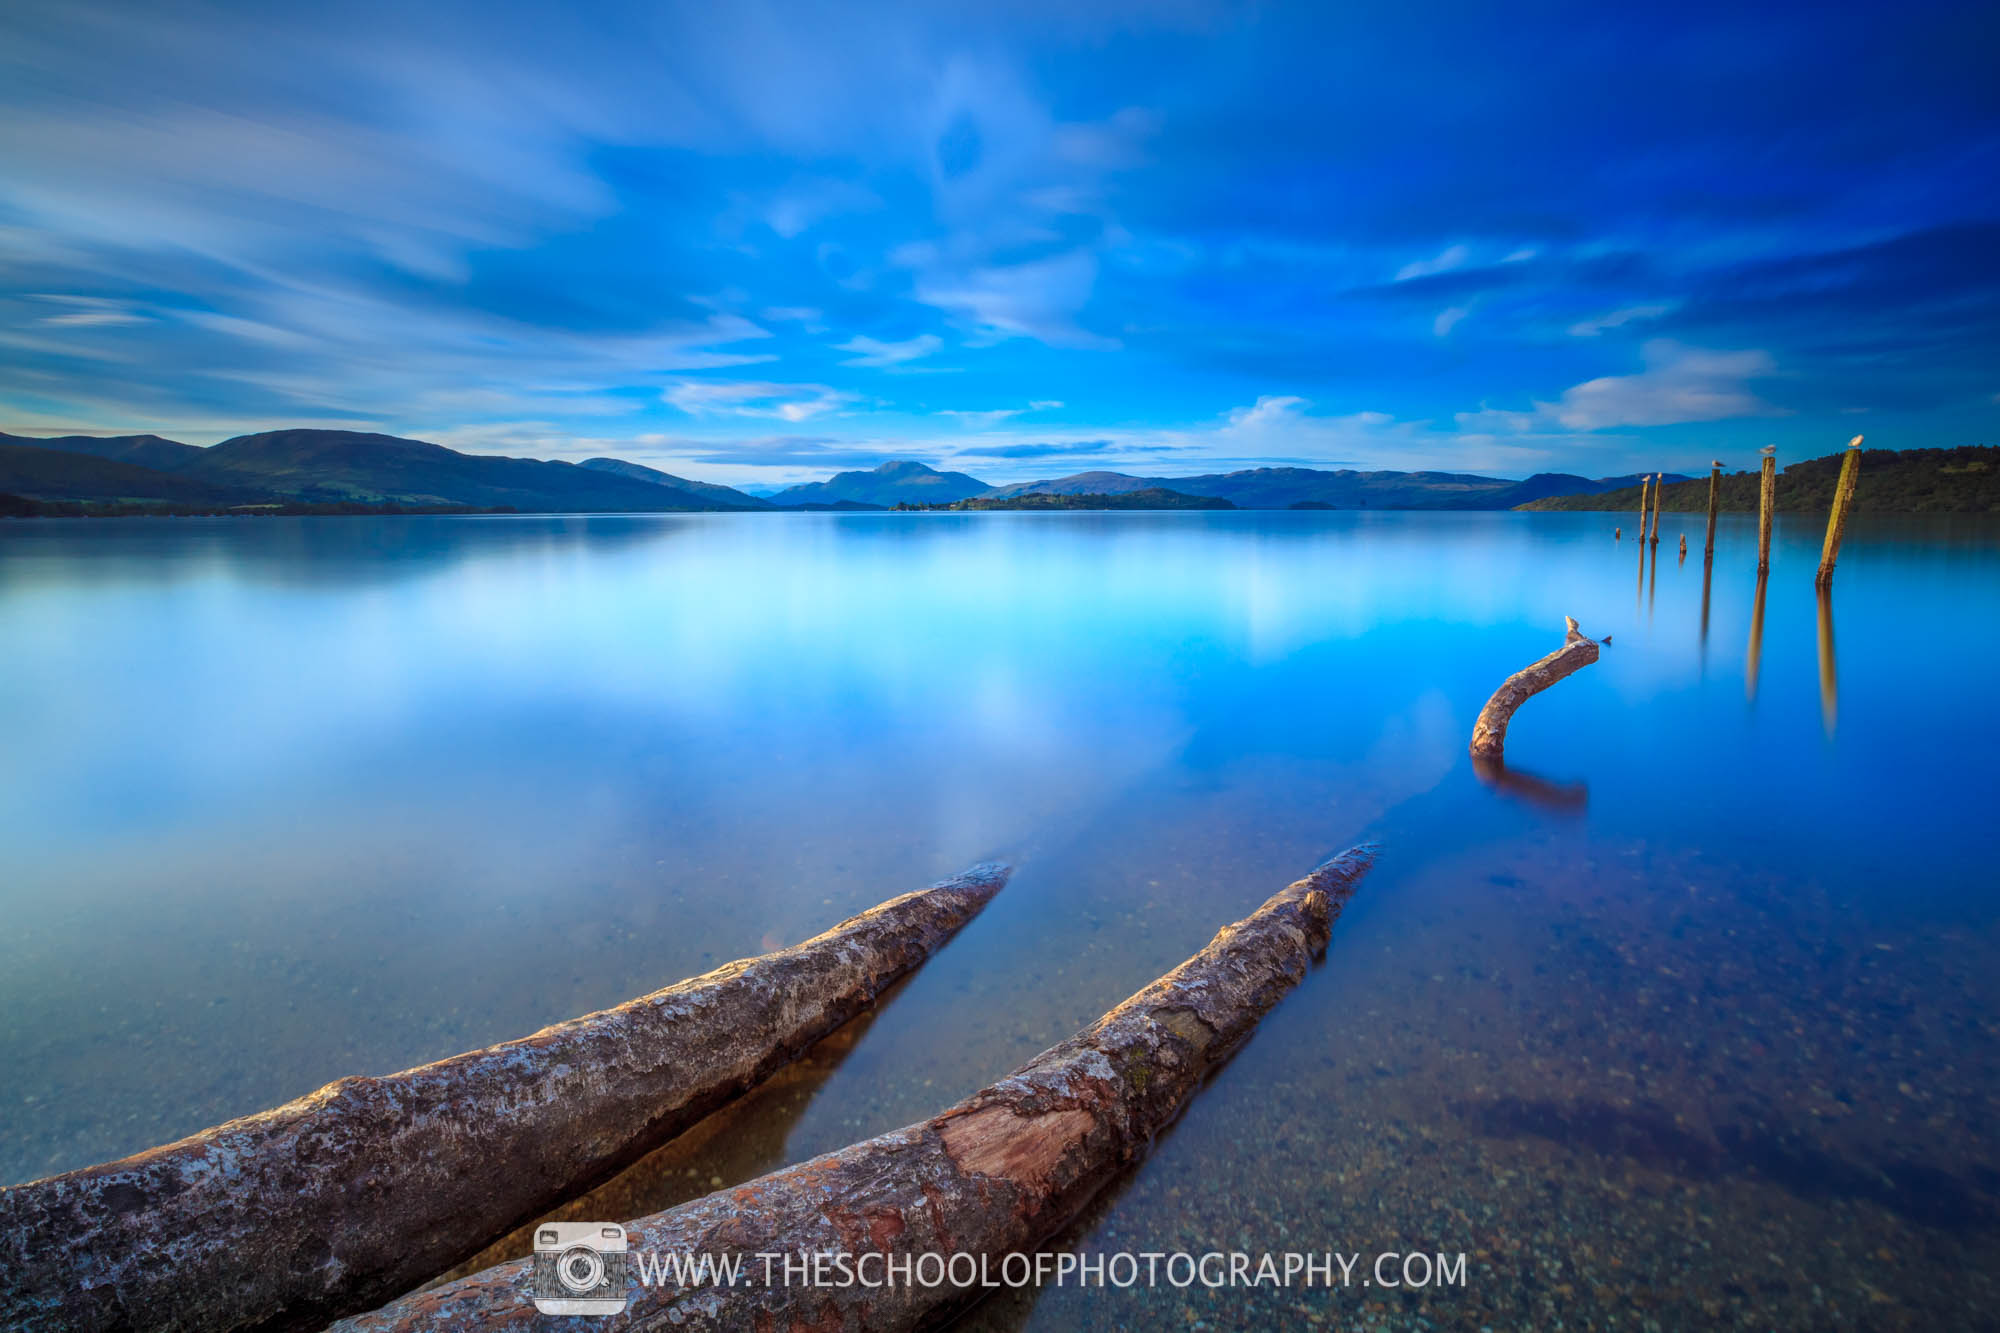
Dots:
pixel 30 471
pixel 1151 497
pixel 332 465
pixel 146 450
pixel 727 495
pixel 1964 480
pixel 1299 487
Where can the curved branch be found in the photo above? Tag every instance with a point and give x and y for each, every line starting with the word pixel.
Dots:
pixel 1489 733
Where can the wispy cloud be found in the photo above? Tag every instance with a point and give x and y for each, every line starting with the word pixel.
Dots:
pixel 1451 257
pixel 878 355
pixel 541 228
pixel 1041 299
pixel 1590 328
pixel 1679 386
pixel 783 402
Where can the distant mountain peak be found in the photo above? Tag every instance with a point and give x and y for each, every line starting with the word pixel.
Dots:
pixel 885 484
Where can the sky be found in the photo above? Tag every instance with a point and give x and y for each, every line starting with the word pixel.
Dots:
pixel 757 243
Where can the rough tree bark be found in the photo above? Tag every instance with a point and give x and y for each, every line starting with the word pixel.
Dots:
pixel 343 1199
pixel 996 1175
pixel 1836 521
pixel 1489 733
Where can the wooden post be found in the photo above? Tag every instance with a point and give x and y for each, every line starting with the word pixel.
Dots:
pixel 1836 522
pixel 1659 485
pixel 1684 548
pixel 1829 675
pixel 1767 499
pixel 1617 534
pixel 1714 497
pixel 1645 495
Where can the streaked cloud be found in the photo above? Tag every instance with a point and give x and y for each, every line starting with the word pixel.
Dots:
pixel 700 230
pixel 878 355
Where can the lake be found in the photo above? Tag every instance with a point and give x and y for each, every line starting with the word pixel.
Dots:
pixel 1690 1017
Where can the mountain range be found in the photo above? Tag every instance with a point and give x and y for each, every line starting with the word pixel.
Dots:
pixel 350 467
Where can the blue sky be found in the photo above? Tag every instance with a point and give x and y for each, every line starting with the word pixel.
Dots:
pixel 755 243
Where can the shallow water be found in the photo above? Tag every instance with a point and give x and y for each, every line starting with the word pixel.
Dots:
pixel 1691 1020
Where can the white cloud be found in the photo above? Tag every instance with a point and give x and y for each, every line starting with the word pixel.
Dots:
pixel 877 355
pixel 1268 409
pixel 783 402
pixel 1448 319
pixel 1037 300
pixel 1451 257
pixel 1680 384
pixel 1590 328
pixel 980 420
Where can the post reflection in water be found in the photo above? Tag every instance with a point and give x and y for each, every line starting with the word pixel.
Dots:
pixel 1546 794
pixel 1653 583
pixel 1829 675
pixel 1754 658
pixel 1707 578
pixel 1639 596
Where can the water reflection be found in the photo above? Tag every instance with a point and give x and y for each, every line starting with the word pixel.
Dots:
pixel 1653 579
pixel 438 786
pixel 1547 794
pixel 1829 674
pixel 1707 579
pixel 1753 659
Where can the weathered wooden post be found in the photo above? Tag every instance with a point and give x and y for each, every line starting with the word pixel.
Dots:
pixel 1684 548
pixel 1714 497
pixel 1836 522
pixel 1659 487
pixel 1645 497
pixel 1617 534
pixel 1767 500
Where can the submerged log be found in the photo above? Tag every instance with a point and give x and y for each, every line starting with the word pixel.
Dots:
pixel 343 1199
pixel 1489 733
pixel 999 1174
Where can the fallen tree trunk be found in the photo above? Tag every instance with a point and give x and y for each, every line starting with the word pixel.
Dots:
pixel 995 1176
pixel 1489 733
pixel 353 1195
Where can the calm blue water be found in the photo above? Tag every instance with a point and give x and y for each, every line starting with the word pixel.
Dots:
pixel 1692 1020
